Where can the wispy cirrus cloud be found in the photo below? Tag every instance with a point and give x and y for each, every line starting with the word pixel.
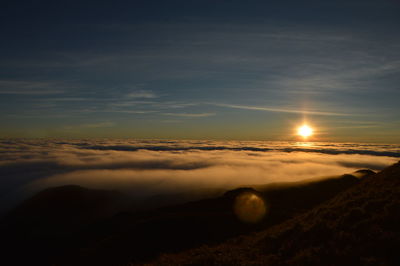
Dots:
pixel 280 110
pixel 190 114
pixel 141 94
pixel 125 103
pixel 19 87
pixel 85 126
pixel 93 125
pixel 128 111
pixel 339 72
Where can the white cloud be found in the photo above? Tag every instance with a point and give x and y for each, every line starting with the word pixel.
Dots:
pixel 153 167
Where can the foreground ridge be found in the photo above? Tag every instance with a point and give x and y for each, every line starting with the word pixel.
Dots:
pixel 357 227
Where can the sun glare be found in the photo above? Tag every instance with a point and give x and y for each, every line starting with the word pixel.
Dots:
pixel 305 131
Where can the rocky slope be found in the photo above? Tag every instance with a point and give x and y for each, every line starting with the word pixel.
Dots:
pixel 359 226
pixel 72 225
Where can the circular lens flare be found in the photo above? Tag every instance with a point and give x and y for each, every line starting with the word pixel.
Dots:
pixel 249 207
pixel 305 131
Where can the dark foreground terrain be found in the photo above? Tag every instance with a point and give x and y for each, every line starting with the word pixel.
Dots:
pixel 359 226
pixel 349 220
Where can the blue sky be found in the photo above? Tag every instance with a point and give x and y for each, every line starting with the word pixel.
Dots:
pixel 200 69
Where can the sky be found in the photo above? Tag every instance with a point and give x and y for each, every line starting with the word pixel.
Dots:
pixel 245 70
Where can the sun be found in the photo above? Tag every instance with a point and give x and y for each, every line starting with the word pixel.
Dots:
pixel 305 131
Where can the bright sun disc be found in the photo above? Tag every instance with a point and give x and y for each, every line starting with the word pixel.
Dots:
pixel 305 131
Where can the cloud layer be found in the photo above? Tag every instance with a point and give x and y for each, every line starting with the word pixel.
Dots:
pixel 148 168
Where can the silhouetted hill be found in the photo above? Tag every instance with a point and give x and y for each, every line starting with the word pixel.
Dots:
pixel 359 226
pixel 44 222
pixel 39 227
pixel 64 208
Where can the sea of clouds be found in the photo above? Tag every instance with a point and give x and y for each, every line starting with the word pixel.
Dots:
pixel 145 168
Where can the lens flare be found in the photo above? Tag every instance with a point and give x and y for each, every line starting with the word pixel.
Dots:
pixel 249 207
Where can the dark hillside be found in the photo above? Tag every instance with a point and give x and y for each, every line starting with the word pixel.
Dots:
pixel 359 226
pixel 76 225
